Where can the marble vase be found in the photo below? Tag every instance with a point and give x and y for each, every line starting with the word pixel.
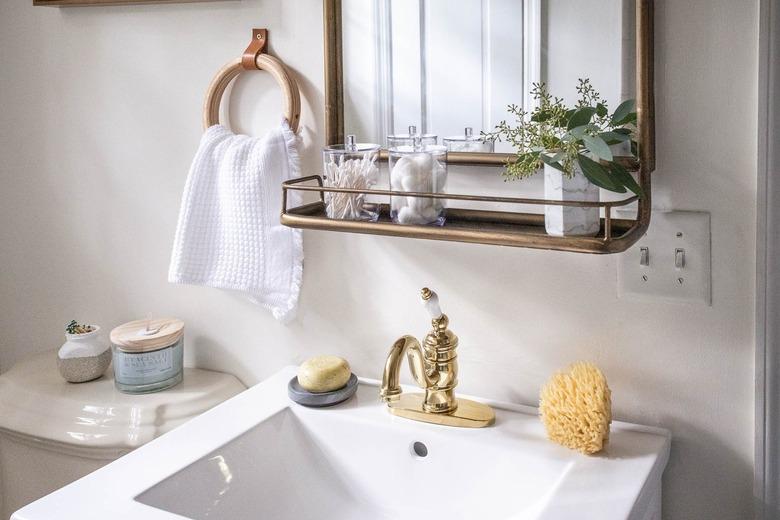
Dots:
pixel 564 221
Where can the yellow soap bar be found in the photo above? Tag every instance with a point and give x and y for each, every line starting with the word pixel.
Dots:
pixel 323 374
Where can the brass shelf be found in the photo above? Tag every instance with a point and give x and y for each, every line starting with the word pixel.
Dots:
pixel 467 225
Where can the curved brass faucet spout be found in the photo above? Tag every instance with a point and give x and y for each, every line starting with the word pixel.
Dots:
pixel 391 386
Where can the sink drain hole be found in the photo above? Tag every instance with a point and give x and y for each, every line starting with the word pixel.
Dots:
pixel 419 449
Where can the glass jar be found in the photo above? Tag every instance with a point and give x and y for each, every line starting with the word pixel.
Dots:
pixel 148 355
pixel 418 168
pixel 396 140
pixel 351 165
pixel 468 142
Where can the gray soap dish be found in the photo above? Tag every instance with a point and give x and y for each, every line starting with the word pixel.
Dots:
pixel 302 396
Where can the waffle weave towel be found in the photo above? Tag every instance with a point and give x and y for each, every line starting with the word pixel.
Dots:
pixel 229 235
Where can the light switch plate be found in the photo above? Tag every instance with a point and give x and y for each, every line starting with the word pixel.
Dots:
pixel 670 233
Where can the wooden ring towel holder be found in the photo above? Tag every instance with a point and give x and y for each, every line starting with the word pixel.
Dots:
pixel 253 58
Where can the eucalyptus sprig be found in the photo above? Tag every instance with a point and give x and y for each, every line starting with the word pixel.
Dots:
pixel 564 137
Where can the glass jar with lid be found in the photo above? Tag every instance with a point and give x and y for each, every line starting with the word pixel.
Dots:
pixel 418 168
pixel 396 140
pixel 351 165
pixel 468 142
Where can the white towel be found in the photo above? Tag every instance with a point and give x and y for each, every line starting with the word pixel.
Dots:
pixel 229 235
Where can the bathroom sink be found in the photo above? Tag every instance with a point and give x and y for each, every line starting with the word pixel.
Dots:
pixel 260 456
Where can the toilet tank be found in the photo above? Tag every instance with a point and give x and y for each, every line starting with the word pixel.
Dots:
pixel 53 432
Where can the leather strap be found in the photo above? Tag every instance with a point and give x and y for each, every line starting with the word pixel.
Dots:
pixel 256 47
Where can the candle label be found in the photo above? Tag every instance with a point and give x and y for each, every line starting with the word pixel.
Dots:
pixel 146 364
pixel 147 367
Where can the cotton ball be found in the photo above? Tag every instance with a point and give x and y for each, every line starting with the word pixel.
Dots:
pixel 411 182
pixel 576 408
pixel 425 172
pixel 408 216
pixel 396 181
pixel 397 204
pixel 403 169
pixel 421 182
pixel 430 213
pixel 423 161
pixel 418 204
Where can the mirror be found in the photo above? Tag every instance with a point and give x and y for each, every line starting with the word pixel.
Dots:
pixel 445 66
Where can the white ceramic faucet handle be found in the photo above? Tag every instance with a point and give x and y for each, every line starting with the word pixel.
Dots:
pixel 430 301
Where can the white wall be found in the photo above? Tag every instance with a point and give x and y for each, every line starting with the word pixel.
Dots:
pixel 100 111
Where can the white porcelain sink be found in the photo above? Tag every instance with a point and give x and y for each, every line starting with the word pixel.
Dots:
pixel 259 456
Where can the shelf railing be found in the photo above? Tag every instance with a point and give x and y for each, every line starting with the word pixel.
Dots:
pixel 466 225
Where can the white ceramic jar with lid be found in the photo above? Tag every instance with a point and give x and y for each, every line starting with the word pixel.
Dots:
pixel 148 355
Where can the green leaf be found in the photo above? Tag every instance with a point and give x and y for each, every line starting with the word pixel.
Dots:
pixel 598 147
pixel 623 112
pixel 550 161
pixel 541 116
pixel 622 176
pixel 555 157
pixel 580 117
pixel 601 110
pixel 579 131
pixel 598 175
pixel 630 118
pixel 614 137
pixel 624 131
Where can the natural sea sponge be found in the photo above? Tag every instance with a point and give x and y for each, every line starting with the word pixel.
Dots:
pixel 576 408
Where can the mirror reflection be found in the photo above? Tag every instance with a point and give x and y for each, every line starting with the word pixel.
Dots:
pixel 448 70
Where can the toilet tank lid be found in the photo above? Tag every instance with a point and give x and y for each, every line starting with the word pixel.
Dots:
pixel 36 403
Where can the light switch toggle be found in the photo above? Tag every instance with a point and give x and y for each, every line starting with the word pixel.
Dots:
pixel 644 256
pixel 679 258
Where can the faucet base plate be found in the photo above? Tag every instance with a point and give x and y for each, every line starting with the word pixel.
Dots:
pixel 469 414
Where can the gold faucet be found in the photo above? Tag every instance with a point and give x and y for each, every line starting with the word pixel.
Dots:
pixel 434 367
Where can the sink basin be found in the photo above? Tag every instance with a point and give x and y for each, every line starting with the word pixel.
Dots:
pixel 260 456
